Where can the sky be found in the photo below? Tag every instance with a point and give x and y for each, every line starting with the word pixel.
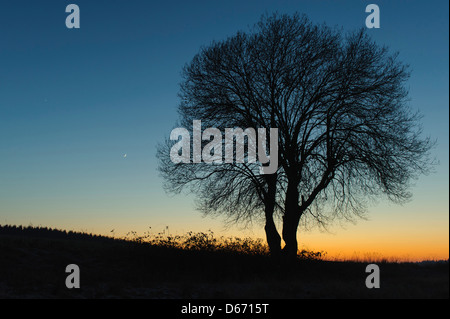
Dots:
pixel 73 102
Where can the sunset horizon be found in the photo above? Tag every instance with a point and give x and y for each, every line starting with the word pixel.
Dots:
pixel 348 242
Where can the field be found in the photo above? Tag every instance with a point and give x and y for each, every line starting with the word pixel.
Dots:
pixel 195 266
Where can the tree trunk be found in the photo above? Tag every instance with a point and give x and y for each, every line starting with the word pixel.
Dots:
pixel 272 235
pixel 291 219
pixel 273 238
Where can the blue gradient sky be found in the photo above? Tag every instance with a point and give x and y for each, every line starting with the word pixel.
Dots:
pixel 74 101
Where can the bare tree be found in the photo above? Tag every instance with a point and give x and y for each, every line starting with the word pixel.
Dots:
pixel 346 132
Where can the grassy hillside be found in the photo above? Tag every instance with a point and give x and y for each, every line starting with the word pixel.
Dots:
pixel 33 262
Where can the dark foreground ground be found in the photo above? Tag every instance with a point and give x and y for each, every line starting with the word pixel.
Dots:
pixel 32 265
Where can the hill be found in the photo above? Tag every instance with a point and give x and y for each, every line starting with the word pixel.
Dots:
pixel 33 262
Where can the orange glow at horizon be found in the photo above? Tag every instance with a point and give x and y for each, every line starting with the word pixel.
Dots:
pixel 393 233
pixel 362 242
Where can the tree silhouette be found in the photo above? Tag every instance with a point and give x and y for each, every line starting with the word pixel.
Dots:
pixel 346 132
